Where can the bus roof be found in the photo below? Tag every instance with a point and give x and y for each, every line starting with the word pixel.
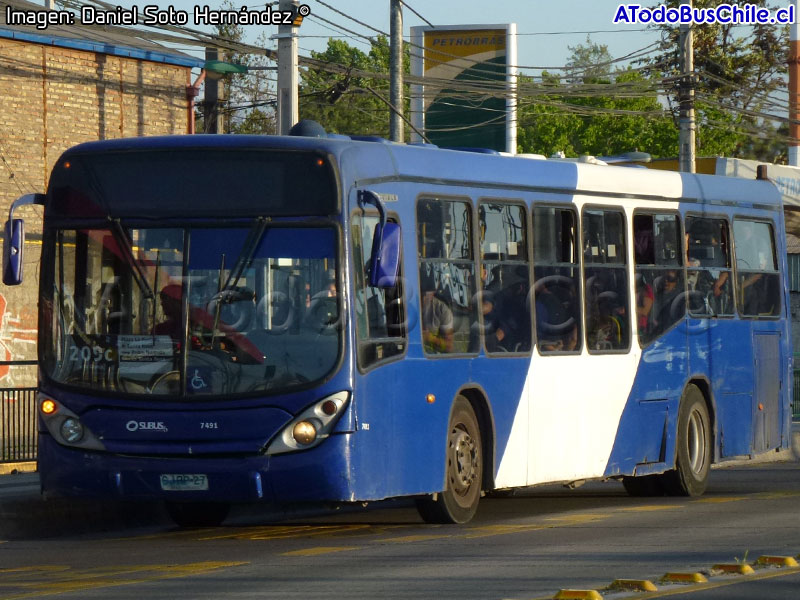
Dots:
pixel 368 162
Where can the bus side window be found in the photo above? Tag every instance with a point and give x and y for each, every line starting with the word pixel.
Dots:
pixel 758 281
pixel 505 279
pixel 447 276
pixel 605 281
pixel 660 300
pixel 380 313
pixel 556 285
pixel 708 273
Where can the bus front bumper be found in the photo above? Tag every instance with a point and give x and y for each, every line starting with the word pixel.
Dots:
pixel 321 473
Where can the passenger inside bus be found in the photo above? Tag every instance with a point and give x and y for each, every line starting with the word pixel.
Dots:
pixel 438 329
pixel 172 325
pixel 708 278
pixel 606 330
pixel 556 327
pixel 644 304
pixel 667 304
pixel 514 308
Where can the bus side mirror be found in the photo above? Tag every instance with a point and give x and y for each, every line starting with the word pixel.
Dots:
pixel 14 239
pixel 13 243
pixel 384 263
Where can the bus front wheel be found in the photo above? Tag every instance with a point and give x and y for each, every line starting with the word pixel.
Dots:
pixel 463 467
pixel 693 456
pixel 197 514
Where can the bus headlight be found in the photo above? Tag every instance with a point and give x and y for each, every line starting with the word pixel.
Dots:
pixel 72 430
pixel 311 426
pixel 65 426
pixel 304 433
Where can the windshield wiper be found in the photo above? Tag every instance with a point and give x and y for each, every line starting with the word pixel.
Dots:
pixel 246 255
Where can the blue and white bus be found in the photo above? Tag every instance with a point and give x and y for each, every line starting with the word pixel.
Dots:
pixel 231 319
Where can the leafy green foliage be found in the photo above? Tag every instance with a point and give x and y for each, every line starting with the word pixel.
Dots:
pixel 250 104
pixel 343 103
pixel 594 110
pixel 737 70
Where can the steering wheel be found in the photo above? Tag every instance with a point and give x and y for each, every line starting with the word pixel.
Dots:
pixel 165 383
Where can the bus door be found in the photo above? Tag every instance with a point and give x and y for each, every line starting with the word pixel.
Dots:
pixel 720 350
pixel 759 305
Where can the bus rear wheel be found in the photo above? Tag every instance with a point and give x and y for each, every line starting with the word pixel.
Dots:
pixel 463 467
pixel 693 456
pixel 197 514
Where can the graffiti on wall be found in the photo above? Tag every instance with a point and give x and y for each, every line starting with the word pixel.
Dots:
pixel 17 339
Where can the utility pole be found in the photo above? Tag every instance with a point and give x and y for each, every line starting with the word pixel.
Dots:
pixel 287 71
pixel 211 97
pixel 396 70
pixel 794 94
pixel 688 126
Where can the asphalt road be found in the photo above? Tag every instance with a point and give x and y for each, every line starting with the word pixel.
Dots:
pixel 527 546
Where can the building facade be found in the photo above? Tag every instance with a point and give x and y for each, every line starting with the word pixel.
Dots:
pixel 60 87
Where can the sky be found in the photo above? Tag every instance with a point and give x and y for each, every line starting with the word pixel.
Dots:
pixel 546 28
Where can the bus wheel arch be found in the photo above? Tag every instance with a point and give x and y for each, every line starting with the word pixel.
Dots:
pixel 704 386
pixel 694 444
pixel 464 463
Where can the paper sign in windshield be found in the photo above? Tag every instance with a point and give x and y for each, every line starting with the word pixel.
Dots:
pixel 144 348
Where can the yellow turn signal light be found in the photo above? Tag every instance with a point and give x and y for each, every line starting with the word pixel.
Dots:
pixel 49 407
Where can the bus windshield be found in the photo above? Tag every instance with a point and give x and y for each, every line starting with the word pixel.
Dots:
pixel 191 311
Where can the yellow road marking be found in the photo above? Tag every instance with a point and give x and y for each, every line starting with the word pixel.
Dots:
pixel 651 508
pixel 775 495
pixel 719 500
pixel 491 530
pixel 279 533
pixel 580 518
pixel 320 550
pixel 414 538
pixel 46 580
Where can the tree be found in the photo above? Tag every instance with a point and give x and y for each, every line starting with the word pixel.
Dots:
pixel 250 102
pixel 738 69
pixel 347 103
pixel 588 63
pixel 594 110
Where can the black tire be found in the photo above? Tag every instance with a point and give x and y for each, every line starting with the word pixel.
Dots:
pixel 198 514
pixel 647 485
pixel 463 469
pixel 694 447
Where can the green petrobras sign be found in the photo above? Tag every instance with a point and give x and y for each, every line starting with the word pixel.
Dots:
pixel 466 100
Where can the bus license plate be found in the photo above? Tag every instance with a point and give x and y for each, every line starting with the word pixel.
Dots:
pixel 181 482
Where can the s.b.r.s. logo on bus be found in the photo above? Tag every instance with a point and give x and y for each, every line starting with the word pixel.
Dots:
pixel 146 426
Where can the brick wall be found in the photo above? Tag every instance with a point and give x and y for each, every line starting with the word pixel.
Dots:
pixel 53 98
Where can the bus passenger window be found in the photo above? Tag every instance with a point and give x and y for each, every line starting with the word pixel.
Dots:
pixel 556 285
pixel 660 301
pixel 380 313
pixel 605 281
pixel 447 276
pixel 505 280
pixel 758 280
pixel 708 267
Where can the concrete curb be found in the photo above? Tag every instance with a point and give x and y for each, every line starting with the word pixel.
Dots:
pixel 17 467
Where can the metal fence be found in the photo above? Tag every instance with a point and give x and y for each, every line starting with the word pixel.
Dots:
pixel 796 396
pixel 18 435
